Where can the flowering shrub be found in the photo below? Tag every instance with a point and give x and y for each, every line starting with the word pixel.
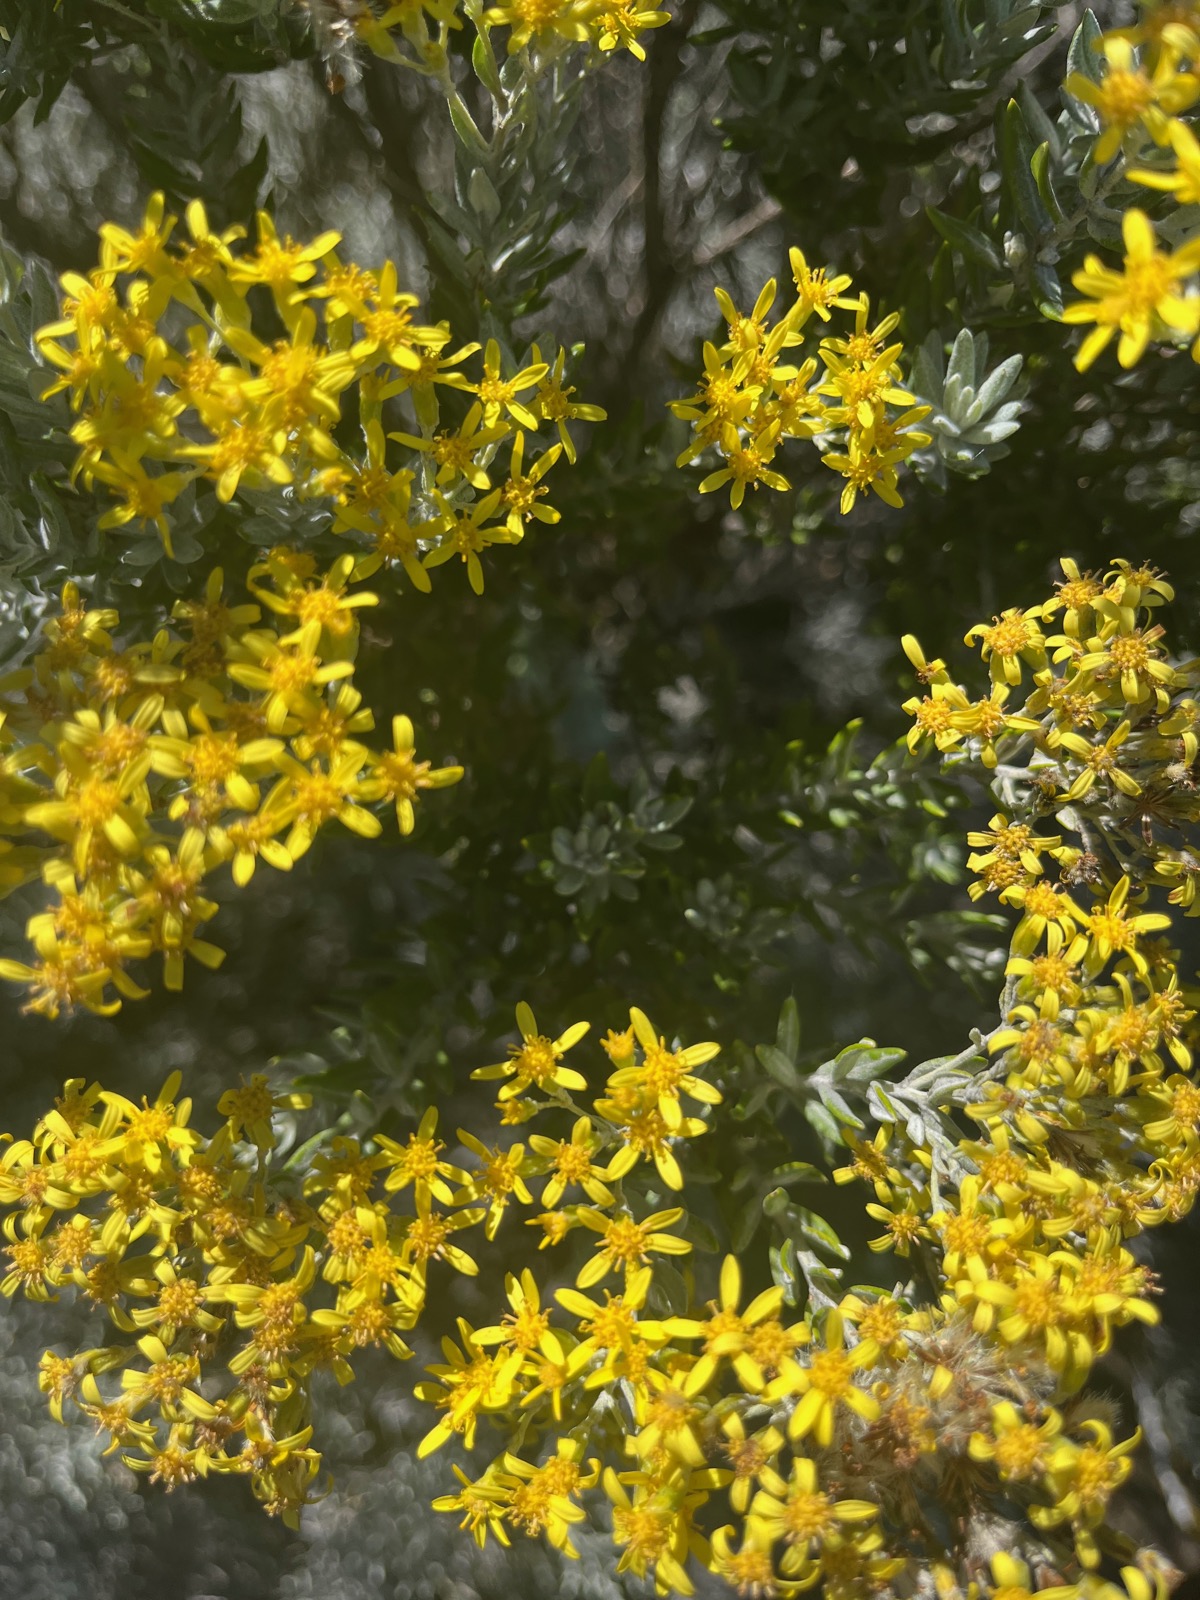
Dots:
pixel 1079 1132
pixel 788 1316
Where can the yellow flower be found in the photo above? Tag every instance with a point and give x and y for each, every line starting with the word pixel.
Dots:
pixel 817 290
pixel 428 1238
pixel 535 1062
pixel 664 1075
pixel 1182 184
pixel 1143 297
pixel 149 1133
pixel 252 1106
pixel 1019 1448
pixel 286 677
pixel 526 1327
pixel 1108 929
pixel 501 1178
pixel 501 395
pixel 466 534
pixel 523 490
pixel 825 1383
pixel 1009 640
pixel 754 1341
pixel 1012 1580
pixel 541 1496
pixel 1083 1479
pixel 800 1513
pixel 281 264
pixel 628 1244
pixel 554 404
pixel 455 452
pixel 748 463
pixel 750 1569
pixel 620 22
pixel 572 1164
pixel 866 468
pixel 653 1527
pixel 1133 658
pixel 419 1162
pixel 471 1381
pixel 483 1503
pixel 1129 100
pixel 533 20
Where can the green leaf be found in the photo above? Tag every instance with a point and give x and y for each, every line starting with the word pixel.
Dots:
pixel 798 1172
pixel 1083 54
pixel 802 1223
pixel 746 1225
pixel 966 239
pixel 700 1234
pixel 1017 151
pixel 483 59
pixel 1041 176
pixel 779 1067
pixel 864 1062
pixel 837 1107
pixel 787 1035
pixel 823 1123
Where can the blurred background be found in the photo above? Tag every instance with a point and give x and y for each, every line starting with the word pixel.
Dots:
pixel 677 722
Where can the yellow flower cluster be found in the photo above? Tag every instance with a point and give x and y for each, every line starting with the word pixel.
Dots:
pixel 751 397
pixel 1089 1112
pixel 781 1453
pixel 131 771
pixel 210 1267
pixel 172 386
pixel 549 26
pixel 1148 76
pixel 236 1281
pixel 1108 721
pixel 832 1435
pixel 827 1437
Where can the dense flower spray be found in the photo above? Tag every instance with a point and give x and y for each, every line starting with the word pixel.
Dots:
pixel 781 1448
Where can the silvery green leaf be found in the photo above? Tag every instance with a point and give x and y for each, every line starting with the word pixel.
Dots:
pixel 881 1105
pixel 837 1107
pixel 960 370
pixel 995 387
pixel 823 1123
pixel 993 432
pixel 956 397
pixel 863 1062
pixel 481 193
